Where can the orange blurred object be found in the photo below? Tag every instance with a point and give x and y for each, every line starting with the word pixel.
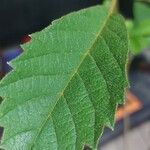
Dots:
pixel 132 105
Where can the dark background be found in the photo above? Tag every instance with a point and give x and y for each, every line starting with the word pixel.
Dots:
pixel 21 17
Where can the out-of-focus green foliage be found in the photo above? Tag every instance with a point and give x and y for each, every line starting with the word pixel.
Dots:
pixel 139 28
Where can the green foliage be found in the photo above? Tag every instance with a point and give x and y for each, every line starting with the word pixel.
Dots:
pixel 139 29
pixel 141 12
pixel 66 85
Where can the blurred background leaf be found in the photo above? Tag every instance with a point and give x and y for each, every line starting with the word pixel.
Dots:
pixel 139 27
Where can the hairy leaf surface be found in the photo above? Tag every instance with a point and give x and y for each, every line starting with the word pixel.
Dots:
pixel 66 85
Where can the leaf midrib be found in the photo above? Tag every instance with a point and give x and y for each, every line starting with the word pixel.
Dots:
pixel 74 73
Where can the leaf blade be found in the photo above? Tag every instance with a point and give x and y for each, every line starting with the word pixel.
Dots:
pixel 54 86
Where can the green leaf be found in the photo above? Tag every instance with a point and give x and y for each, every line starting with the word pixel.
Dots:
pixel 139 28
pixel 141 12
pixel 66 85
